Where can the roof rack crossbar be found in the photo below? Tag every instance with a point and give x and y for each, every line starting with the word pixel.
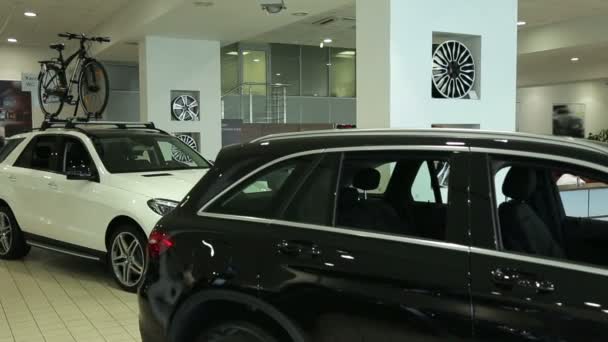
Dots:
pixel 72 124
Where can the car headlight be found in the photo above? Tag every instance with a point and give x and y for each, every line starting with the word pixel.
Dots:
pixel 162 206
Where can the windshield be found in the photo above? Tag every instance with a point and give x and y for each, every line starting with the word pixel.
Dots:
pixel 141 153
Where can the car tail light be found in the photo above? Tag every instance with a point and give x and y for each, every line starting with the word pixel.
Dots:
pixel 159 242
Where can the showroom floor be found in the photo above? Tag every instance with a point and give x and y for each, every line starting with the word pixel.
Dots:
pixel 56 298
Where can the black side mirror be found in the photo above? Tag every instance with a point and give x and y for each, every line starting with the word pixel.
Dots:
pixel 81 172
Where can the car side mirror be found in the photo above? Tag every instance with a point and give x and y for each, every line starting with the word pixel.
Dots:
pixel 81 172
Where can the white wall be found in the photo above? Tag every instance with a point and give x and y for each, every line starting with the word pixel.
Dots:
pixel 412 23
pixel 536 104
pixel 179 64
pixel 17 59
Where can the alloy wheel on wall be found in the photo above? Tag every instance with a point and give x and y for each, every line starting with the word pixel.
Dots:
pixel 181 156
pixel 185 108
pixel 453 70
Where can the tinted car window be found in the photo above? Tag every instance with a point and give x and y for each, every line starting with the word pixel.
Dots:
pixel 40 154
pixel 262 195
pixel 552 210
pixel 9 146
pixel 76 155
pixel 314 201
pixel 381 191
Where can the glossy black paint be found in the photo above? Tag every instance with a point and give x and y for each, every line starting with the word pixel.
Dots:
pixel 306 283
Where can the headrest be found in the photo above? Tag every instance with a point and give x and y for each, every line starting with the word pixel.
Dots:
pixel 520 183
pixel 367 179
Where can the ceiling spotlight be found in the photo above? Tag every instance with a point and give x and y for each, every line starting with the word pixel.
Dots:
pixel 257 60
pixel 300 14
pixel 321 45
pixel 521 23
pixel 327 40
pixel 272 6
pixel 11 40
pixel 30 14
pixel 575 59
pixel 278 74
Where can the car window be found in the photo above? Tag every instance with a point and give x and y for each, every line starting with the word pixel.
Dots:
pixel 553 210
pixel 8 147
pixel 314 201
pixel 262 195
pixel 410 202
pixel 40 154
pixel 76 155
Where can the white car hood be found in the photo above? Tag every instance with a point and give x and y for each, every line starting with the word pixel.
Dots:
pixel 171 185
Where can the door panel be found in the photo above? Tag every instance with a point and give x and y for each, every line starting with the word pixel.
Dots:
pixel 586 240
pixel 575 310
pixel 385 286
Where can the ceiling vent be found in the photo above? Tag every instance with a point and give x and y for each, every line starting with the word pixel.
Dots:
pixel 325 21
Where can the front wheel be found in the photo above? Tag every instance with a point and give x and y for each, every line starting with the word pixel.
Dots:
pixel 127 257
pixel 51 91
pixel 237 331
pixel 93 88
pixel 12 242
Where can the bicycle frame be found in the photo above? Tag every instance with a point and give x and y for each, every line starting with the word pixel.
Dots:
pixel 82 55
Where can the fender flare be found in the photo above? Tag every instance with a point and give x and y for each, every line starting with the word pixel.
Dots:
pixel 296 334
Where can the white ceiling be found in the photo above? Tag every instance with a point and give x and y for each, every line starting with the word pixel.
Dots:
pixel 543 12
pixel 54 16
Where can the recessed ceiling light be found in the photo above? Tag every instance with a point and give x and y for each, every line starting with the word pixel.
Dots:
pixel 321 45
pixel 232 53
pixel 29 14
pixel 11 40
pixel 300 14
pixel 575 59
pixel 521 23
pixel 257 60
pixel 278 74
pixel 327 40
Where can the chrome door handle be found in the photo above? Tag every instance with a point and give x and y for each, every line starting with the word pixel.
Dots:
pixel 52 185
pixel 12 178
pixel 510 278
pixel 298 249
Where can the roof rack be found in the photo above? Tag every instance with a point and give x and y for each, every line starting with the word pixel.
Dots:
pixel 74 123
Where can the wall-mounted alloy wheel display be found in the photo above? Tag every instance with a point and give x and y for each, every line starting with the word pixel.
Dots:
pixel 181 156
pixel 453 70
pixel 185 108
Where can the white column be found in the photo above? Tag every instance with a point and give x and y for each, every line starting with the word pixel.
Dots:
pixel 167 64
pixel 394 63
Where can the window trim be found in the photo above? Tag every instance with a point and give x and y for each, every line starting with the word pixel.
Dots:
pixel 18 142
pixel 34 140
pixel 63 145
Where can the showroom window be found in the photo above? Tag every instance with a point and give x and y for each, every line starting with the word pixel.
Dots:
pixel 285 61
pixel 342 72
pixel 40 154
pixel 314 71
pixel 230 68
pixel 262 195
pixel 377 192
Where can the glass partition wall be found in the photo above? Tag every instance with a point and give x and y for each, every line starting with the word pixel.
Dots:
pixel 280 83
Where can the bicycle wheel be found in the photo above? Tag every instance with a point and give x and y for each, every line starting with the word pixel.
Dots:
pixel 50 92
pixel 93 88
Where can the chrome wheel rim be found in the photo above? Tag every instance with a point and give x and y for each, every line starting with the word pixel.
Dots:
pixel 453 70
pixel 6 234
pixel 128 260
pixel 179 155
pixel 185 108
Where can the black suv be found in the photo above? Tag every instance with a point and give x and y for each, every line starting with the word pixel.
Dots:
pixel 386 235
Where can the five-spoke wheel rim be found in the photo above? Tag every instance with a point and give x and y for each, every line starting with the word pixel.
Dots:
pixel 128 260
pixel 6 233
pixel 185 108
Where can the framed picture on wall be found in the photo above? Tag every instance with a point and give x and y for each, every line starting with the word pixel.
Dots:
pixel 15 109
pixel 569 120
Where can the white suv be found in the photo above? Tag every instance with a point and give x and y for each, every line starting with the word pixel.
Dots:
pixel 92 190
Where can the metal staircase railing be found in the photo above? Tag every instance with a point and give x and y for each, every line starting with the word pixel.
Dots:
pixel 275 102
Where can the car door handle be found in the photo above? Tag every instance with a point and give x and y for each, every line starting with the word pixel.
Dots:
pixel 52 185
pixel 12 178
pixel 301 249
pixel 510 278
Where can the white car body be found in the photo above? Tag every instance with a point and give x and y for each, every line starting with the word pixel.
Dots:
pixel 80 212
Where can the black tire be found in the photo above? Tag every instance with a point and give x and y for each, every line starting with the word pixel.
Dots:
pixel 236 331
pixel 12 242
pixel 93 88
pixel 127 265
pixel 50 80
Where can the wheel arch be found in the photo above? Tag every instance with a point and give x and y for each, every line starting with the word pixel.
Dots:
pixel 117 222
pixel 227 303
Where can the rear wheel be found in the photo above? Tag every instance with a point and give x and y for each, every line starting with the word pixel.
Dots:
pixel 93 88
pixel 127 257
pixel 51 92
pixel 237 331
pixel 12 242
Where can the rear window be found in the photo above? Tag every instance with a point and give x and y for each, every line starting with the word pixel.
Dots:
pixel 9 146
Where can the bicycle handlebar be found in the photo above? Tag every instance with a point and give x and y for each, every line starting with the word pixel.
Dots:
pixel 83 38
